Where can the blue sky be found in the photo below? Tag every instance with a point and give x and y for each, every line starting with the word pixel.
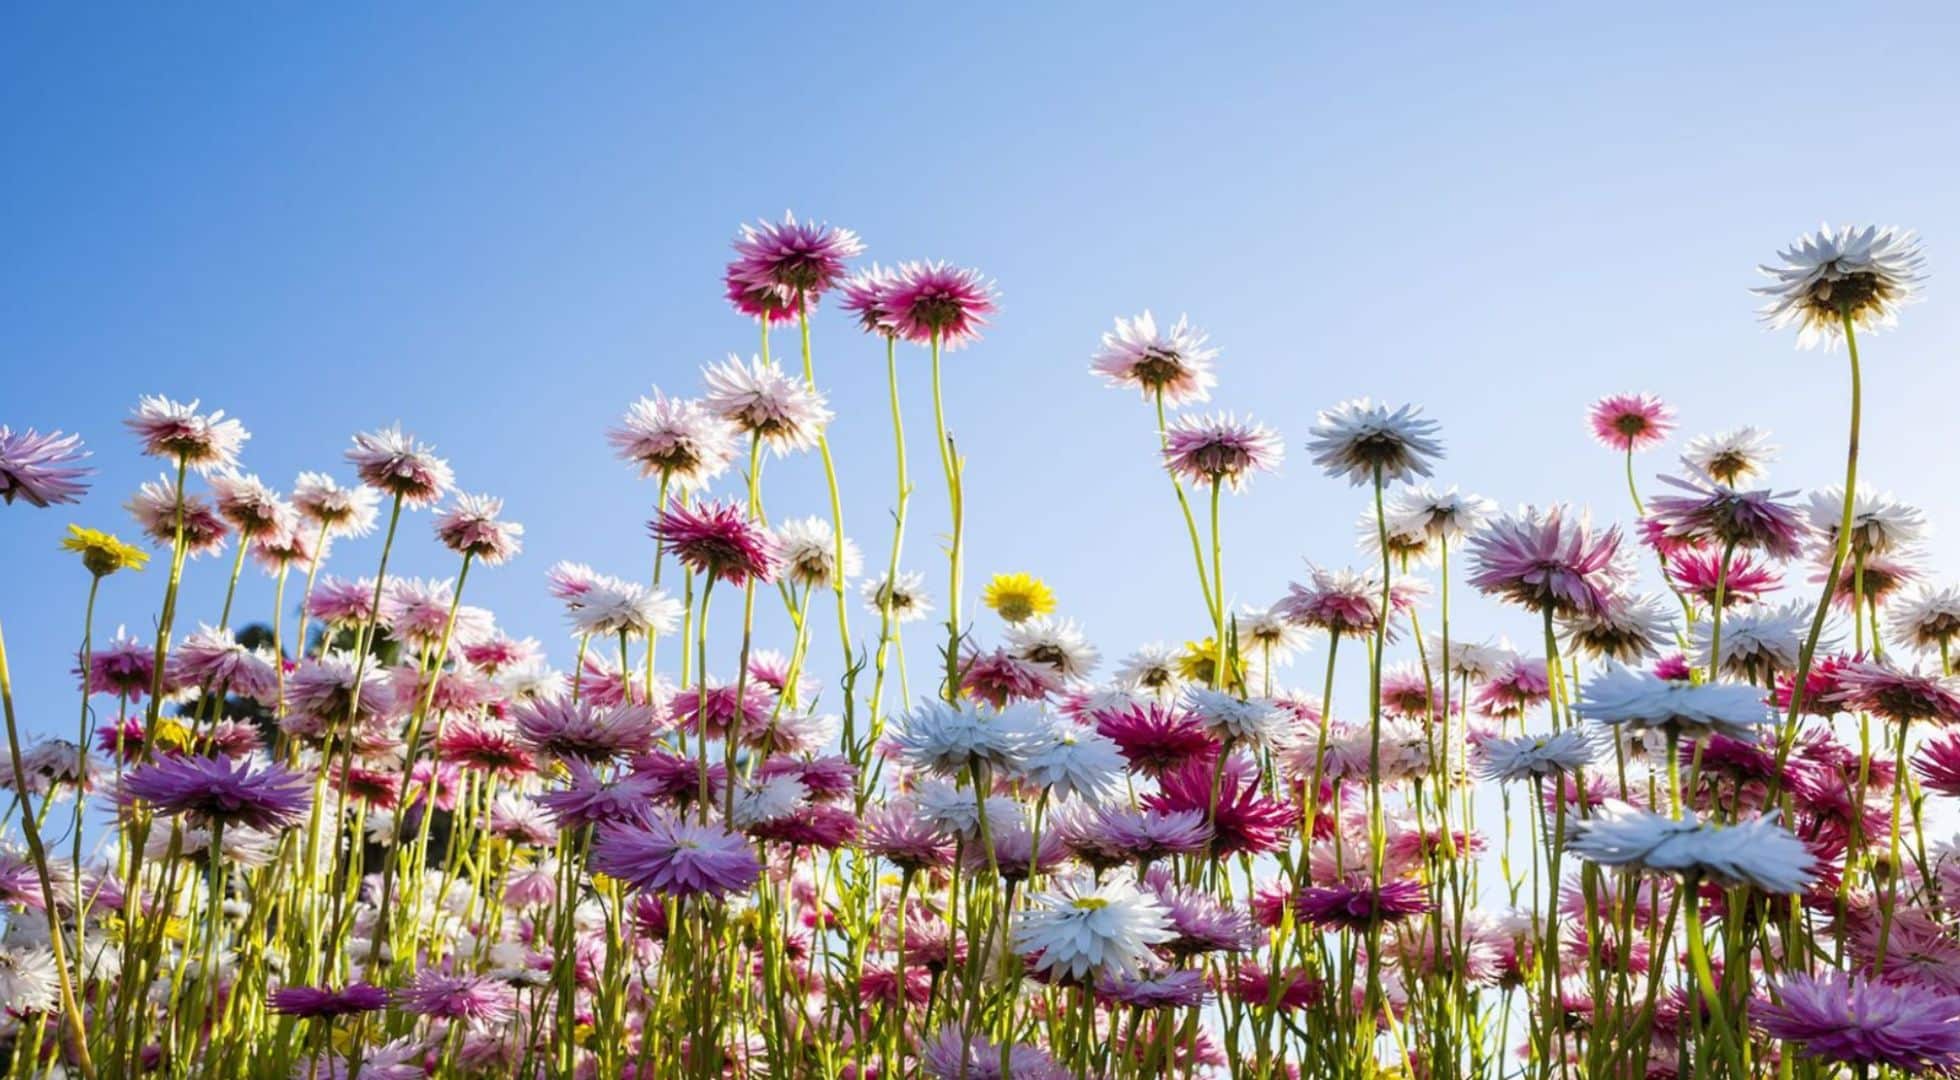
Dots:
pixel 500 224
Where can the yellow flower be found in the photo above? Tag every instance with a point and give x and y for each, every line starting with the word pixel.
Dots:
pixel 1018 597
pixel 101 553
pixel 1198 660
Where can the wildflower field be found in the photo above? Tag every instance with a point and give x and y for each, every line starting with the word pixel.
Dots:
pixel 373 832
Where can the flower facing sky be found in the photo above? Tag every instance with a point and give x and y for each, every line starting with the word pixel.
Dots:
pixel 1629 422
pixel 1081 931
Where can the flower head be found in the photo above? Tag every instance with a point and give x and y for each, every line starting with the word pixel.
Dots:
pixel 1529 757
pixel 1447 516
pixel 1849 274
pixel 1356 905
pixel 947 738
pixel 765 402
pixel 675 439
pixel 1758 852
pixel 801 258
pixel 175 431
pixel 1210 449
pixel 1080 931
pixel 327 1002
pixel 718 539
pixel 1629 422
pixel 256 795
pixel 1747 520
pixel 1929 620
pixel 1730 457
pixel 1898 695
pixel 42 469
pixel 674 857
pixel 810 550
pixel 1621 695
pixel 1359 440
pixel 863 297
pixel 1853 1021
pixel 396 464
pixel 340 511
pixel 1549 560
pixel 1172 366
pixel 934 301
pixel 902 597
pixel 471 528
pixel 1018 597
pixel 1880 524
pixel 159 512
pixel 103 554
pixel 476 1000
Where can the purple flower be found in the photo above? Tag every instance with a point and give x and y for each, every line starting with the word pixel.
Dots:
pixel 864 299
pixel 1358 905
pixel 934 301
pixel 672 856
pixel 1856 1022
pixel 475 1000
pixel 43 469
pixel 1712 511
pixel 326 1002
pixel 257 795
pixel 718 539
pixel 799 257
pixel 590 799
pixel 1168 990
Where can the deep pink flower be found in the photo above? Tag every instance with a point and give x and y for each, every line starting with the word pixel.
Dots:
pixel 1244 821
pixel 1627 422
pixel 895 832
pixel 1822 694
pixel 999 678
pixel 473 999
pixel 863 296
pixel 800 257
pixel 1938 764
pixel 1852 1021
pixel 42 469
pixel 123 669
pixel 1210 449
pixel 929 301
pixel 257 795
pixel 1698 571
pixel 715 710
pixel 1673 667
pixel 1288 992
pixel 758 301
pixel 485 745
pixel 718 539
pixel 814 825
pixel 675 857
pixel 1548 560
pixel 1156 737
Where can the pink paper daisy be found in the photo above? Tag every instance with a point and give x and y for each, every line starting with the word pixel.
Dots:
pixel 674 857
pixel 175 432
pixel 929 301
pixel 1628 422
pixel 717 539
pixel 41 469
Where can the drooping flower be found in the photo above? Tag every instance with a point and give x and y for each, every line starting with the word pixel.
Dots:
pixel 718 539
pixel 1549 560
pixel 934 300
pixel 1209 449
pixel 1851 1020
pixel 676 439
pixel 472 528
pixel 1080 931
pixel 674 856
pixel 1863 275
pixel 398 465
pixel 1018 597
pixel 257 795
pixel 176 431
pixel 1629 422
pixel 41 469
pixel 1358 440
pixel 1172 366
pixel 1730 457
pixel 802 258
pixel 764 402
pixel 1757 852
pixel 1622 695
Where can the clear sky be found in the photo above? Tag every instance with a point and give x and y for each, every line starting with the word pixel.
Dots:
pixel 501 223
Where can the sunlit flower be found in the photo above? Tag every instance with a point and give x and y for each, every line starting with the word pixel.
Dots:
pixel 928 301
pixel 1714 512
pixel 471 527
pixel 1549 560
pixel 718 539
pixel 1530 757
pixel 1700 574
pixel 903 596
pixel 801 257
pixel 253 794
pixel 176 431
pixel 1345 603
pixel 1360 440
pixel 1861 275
pixel 340 511
pixel 1018 596
pixel 1854 1021
pixel 479 1001
pixel 1172 366
pixel 1621 695
pixel 1447 516
pixel 1757 852
pixel 1209 449
pixel 1929 620
pixel 863 296
pixel 214 660
pixel 159 513
pixel 396 464
pixel 1357 905
pixel 1070 760
pixel 1757 640
pixel 1080 930
pixel 41 469
pixel 1243 819
pixel 764 402
pixel 103 554
pixel 674 857
pixel 1627 629
pixel 947 738
pixel 809 550
pixel 1730 457
pixel 1151 669
pixel 1880 524
pixel 1629 422
pixel 1057 644
pixel 1898 695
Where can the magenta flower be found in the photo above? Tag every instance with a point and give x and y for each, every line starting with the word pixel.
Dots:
pixel 178 432
pixel 675 857
pixel 934 301
pixel 1899 696
pixel 123 669
pixel 800 257
pixel 478 1001
pixel 485 745
pixel 1244 821
pixel 214 662
pixel 1156 737
pixel 1549 560
pixel 863 297
pixel 1345 603
pixel 1356 905
pixel 1852 1021
pixel 1209 449
pixel 1697 571
pixel 1628 422
pixel 1715 512
pixel 42 469
pixel 471 527
pixel 718 539
pixel 398 465
pixel 590 799
pixel 585 731
pixel 324 1002
pixel 765 301
pixel 1938 764
pixel 256 795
